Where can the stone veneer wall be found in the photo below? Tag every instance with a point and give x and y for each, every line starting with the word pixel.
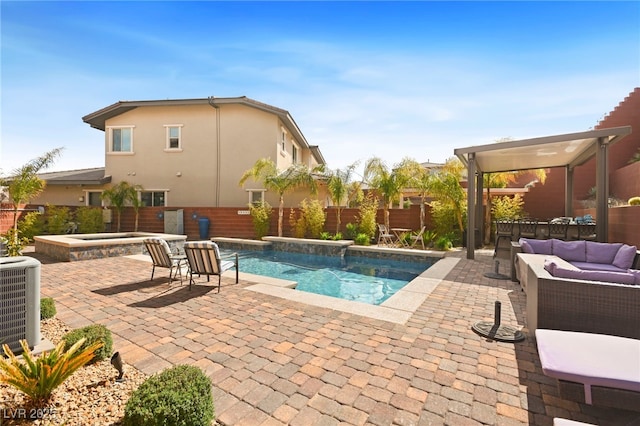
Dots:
pixel 73 254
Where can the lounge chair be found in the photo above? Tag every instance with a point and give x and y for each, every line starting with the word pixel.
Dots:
pixel 385 238
pixel 597 369
pixel 163 258
pixel 204 258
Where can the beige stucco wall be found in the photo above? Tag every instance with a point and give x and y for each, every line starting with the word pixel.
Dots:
pixel 65 195
pixel 237 135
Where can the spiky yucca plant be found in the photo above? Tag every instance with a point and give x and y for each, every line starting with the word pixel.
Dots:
pixel 39 377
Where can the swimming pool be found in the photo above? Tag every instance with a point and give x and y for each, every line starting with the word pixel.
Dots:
pixel 354 278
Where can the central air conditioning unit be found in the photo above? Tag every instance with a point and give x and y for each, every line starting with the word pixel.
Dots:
pixel 19 302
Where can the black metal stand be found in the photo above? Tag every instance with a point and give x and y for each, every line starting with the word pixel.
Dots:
pixel 496 331
pixel 496 275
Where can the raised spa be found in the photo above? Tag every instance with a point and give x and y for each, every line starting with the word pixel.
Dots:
pixel 74 247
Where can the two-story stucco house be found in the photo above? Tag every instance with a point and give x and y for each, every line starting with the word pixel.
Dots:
pixel 192 152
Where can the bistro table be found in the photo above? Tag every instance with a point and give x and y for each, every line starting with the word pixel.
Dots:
pixel 399 232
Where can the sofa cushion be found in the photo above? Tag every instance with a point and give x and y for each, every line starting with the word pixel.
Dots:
pixel 598 267
pixel 605 276
pixel 635 273
pixel 602 252
pixel 571 250
pixel 624 257
pixel 530 245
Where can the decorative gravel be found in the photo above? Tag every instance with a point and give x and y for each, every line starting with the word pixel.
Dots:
pixel 90 396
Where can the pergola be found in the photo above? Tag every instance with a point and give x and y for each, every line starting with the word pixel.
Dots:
pixel 568 151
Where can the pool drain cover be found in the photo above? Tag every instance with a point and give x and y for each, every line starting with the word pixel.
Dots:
pixel 496 331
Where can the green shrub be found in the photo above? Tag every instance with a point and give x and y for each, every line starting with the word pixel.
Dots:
pixel 91 333
pixel 30 225
pixel 89 220
pixel 309 220
pixel 351 230
pixel 362 239
pixel 444 243
pixel 507 207
pixel 177 396
pixel 57 219
pixel 325 236
pixel 337 237
pixel 47 308
pixel 444 218
pixel 367 216
pixel 261 217
pixel 634 201
pixel 14 247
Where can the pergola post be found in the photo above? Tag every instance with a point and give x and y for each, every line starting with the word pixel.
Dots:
pixel 568 191
pixel 602 191
pixel 480 206
pixel 471 208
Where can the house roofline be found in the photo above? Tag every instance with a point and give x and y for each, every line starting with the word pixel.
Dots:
pixel 98 118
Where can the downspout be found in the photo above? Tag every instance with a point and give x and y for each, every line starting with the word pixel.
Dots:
pixel 218 149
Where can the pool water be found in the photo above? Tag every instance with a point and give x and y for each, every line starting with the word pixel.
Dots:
pixel 359 279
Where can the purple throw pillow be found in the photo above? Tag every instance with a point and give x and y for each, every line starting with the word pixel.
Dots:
pixel 602 252
pixel 537 246
pixel 610 277
pixel 624 257
pixel 526 247
pixel 550 266
pixel 571 250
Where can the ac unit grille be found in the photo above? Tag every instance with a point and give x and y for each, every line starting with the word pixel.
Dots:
pixel 13 305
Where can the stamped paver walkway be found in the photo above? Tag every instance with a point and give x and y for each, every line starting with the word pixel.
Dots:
pixel 274 361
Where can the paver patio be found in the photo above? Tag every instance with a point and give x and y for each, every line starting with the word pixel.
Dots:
pixel 273 361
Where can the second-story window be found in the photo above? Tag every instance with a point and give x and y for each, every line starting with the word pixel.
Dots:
pixel 174 136
pixel 121 139
pixel 283 140
pixel 294 154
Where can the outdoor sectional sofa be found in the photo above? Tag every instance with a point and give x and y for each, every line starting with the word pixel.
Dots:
pixel 579 286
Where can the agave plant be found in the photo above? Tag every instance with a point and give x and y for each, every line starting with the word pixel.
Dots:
pixel 39 377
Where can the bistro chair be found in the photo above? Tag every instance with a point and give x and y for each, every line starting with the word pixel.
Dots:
pixel 558 229
pixel 418 238
pixel 504 231
pixel 527 228
pixel 204 259
pixel 385 238
pixel 587 231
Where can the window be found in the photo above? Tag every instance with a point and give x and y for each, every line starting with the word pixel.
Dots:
pixel 294 154
pixel 283 140
pixel 256 195
pixel 94 199
pixel 152 198
pixel 173 136
pixel 121 139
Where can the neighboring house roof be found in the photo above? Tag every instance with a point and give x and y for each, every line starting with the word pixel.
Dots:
pixel 93 176
pixel 97 119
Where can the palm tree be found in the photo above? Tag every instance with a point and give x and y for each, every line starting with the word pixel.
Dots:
pixel 446 187
pixel 388 183
pixel 421 180
pixel 296 175
pixel 121 194
pixel 341 189
pixel 25 184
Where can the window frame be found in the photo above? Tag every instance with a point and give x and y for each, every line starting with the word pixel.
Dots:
pixel 283 140
pixel 295 153
pixel 153 192
pixel 110 146
pixel 254 191
pixel 168 146
pixel 87 198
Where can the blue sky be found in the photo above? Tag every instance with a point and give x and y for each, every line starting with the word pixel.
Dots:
pixel 361 79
